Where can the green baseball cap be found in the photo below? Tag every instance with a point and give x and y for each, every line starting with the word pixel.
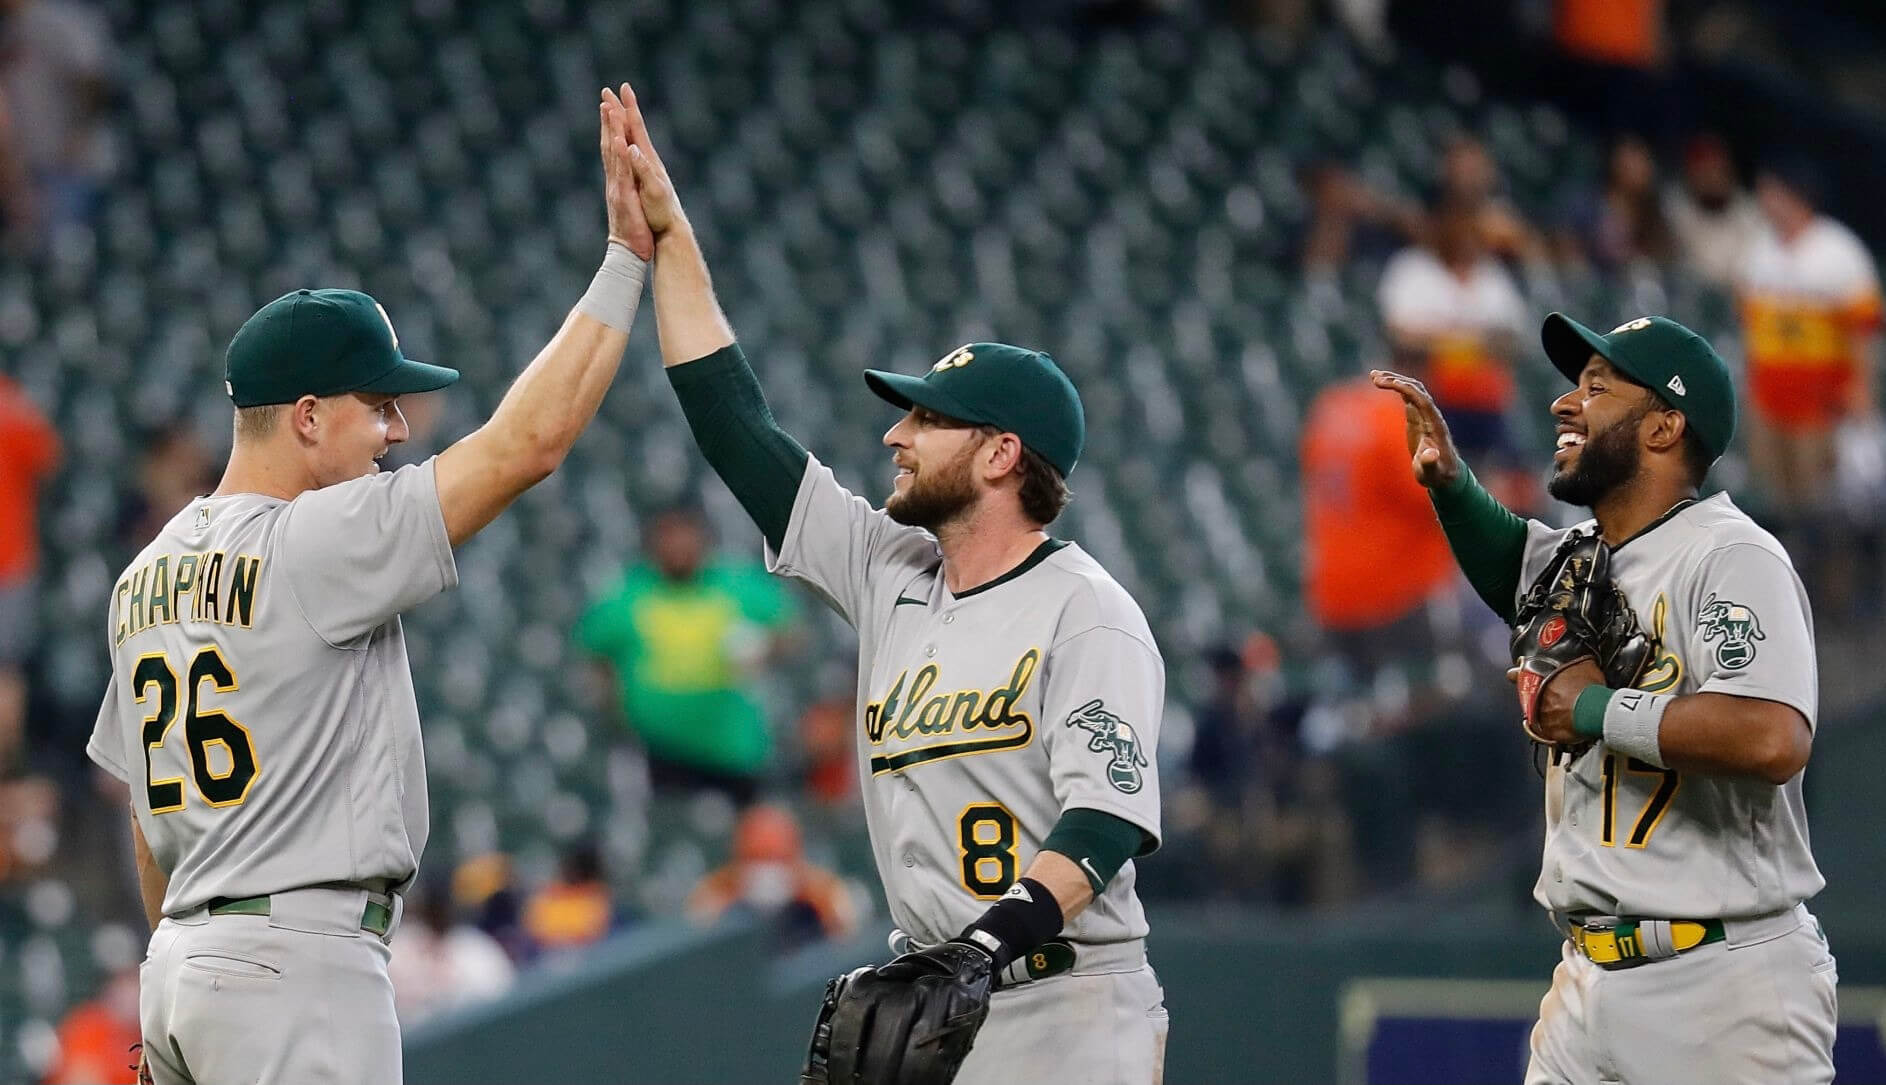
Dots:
pixel 1660 354
pixel 1014 389
pixel 322 343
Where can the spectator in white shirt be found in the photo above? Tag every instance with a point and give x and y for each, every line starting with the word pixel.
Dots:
pixel 1713 218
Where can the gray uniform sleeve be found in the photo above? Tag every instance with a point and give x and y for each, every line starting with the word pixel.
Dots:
pixel 357 554
pixel 106 747
pixel 837 543
pixel 1100 724
pixel 1752 629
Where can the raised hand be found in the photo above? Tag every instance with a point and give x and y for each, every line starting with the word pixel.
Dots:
pixel 627 223
pixel 659 204
pixel 1436 463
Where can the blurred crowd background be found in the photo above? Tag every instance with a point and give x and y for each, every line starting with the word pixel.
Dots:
pixel 1217 215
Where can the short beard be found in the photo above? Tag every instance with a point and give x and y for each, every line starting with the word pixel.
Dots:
pixel 1609 460
pixel 930 505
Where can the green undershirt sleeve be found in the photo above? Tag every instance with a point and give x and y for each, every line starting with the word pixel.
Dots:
pixel 735 430
pixel 1488 540
pixel 1099 843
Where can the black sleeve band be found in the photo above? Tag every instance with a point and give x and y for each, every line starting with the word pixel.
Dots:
pixel 1026 916
pixel 1099 843
pixel 735 430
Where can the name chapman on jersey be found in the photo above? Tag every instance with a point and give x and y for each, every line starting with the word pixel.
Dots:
pixel 207 586
pixel 944 724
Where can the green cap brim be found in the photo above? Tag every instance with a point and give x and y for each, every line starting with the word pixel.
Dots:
pixel 410 378
pixel 1570 345
pixel 904 391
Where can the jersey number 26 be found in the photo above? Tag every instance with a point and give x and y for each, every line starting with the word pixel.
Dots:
pixel 203 728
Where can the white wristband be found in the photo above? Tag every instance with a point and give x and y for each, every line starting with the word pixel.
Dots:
pixel 1633 724
pixel 616 291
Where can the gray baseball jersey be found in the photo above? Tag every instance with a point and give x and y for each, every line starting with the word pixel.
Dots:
pixel 983 716
pixel 1626 838
pixel 261 706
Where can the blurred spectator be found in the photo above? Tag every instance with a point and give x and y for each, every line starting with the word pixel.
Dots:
pixel 29 818
pixel 769 877
pixel 1470 178
pixel 826 729
pixel 684 635
pixel 1455 312
pixel 19 204
pixel 1713 221
pixel 1612 33
pixel 29 450
pixel 1622 227
pixel 483 889
pixel 55 57
pixel 1810 302
pixel 1269 821
pixel 575 908
pixel 1363 513
pixel 441 962
pixel 173 469
pixel 1349 222
pixel 96 1037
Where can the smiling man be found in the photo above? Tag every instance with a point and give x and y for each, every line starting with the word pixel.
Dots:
pixel 1676 849
pixel 1009 701
pixel 261 708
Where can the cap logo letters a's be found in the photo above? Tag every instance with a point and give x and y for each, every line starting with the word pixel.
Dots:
pixel 389 324
pixel 955 359
pixel 1635 325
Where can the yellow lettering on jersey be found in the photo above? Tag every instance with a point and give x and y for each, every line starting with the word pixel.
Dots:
pixel 138 582
pixel 124 625
pixel 913 713
pixel 208 600
pixel 1665 669
pixel 184 583
pixel 242 591
pixel 160 590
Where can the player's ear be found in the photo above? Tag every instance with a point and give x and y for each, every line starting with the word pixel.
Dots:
pixel 304 417
pixel 1004 453
pixel 1666 430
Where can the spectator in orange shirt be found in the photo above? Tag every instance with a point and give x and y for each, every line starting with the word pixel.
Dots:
pixel 576 908
pixel 96 1037
pixel 770 877
pixel 1374 553
pixel 1810 300
pixel 29 450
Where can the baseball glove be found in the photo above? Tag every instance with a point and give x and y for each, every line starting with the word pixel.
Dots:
pixel 1574 612
pixel 909 1022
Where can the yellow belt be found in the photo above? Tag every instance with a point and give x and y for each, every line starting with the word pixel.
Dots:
pixel 1621 946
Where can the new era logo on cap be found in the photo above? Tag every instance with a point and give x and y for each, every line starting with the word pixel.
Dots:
pixel 1675 385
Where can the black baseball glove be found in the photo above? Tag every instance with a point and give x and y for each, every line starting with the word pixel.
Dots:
pixel 1574 612
pixel 909 1022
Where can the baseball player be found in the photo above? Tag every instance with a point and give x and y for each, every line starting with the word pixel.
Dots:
pixel 1009 690
pixel 261 708
pixel 1676 846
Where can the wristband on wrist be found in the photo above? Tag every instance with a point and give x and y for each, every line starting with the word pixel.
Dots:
pixel 616 291
pixel 1588 711
pixel 1633 724
pixel 1026 916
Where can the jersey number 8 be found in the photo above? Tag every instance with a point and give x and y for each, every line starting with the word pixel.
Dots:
pixel 986 835
pixel 202 728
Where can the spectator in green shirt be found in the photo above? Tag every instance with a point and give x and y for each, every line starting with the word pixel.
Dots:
pixel 684 634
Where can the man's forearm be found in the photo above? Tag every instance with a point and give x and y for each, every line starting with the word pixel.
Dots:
pixel 1488 540
pixel 687 315
pixel 152 884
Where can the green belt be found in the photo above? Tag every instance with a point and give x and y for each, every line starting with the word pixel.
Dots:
pixel 376 919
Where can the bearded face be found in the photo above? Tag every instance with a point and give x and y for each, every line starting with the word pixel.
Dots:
pixel 1607 460
pixel 935 494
